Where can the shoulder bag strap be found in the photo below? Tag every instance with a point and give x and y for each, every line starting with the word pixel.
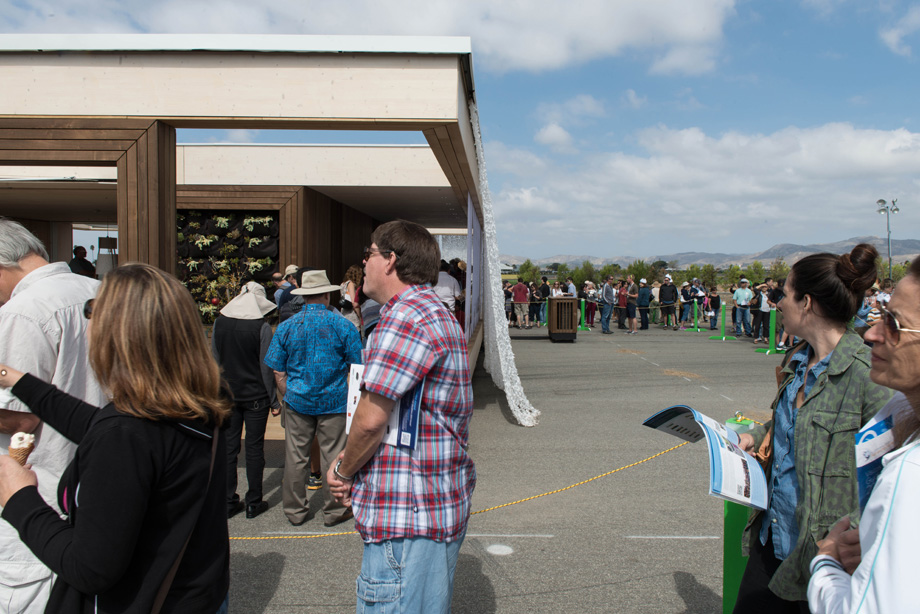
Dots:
pixel 167 581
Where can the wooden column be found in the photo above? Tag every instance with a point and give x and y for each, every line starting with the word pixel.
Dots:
pixel 147 199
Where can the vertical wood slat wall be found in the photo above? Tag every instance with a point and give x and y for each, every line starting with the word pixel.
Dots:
pixel 143 151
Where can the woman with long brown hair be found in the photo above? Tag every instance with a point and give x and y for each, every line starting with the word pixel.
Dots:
pixel 144 497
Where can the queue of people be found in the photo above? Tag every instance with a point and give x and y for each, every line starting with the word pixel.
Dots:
pixel 136 425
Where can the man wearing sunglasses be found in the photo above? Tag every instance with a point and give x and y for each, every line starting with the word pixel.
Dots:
pixel 43 332
pixel 411 503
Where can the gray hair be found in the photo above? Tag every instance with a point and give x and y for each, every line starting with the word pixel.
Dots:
pixel 16 243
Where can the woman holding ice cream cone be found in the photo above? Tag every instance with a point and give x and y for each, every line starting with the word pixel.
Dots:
pixel 137 535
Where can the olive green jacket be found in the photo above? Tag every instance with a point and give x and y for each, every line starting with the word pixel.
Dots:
pixel 841 401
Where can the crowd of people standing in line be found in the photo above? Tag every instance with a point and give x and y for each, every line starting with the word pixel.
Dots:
pixel 137 426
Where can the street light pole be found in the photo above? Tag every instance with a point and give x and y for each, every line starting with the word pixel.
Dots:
pixel 884 207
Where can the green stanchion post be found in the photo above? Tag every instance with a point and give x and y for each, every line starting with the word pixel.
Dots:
pixel 733 563
pixel 696 325
pixel 722 336
pixel 736 516
pixel 772 349
pixel 583 325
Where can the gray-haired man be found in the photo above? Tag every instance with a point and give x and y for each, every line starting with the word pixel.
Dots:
pixel 43 332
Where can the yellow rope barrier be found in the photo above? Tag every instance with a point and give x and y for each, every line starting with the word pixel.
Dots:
pixel 488 509
pixel 739 416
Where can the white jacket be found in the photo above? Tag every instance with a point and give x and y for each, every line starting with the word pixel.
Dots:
pixel 890 540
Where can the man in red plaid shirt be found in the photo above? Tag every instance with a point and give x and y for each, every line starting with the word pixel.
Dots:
pixel 411 505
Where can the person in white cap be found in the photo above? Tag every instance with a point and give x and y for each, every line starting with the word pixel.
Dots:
pixel 310 354
pixel 239 340
pixel 290 277
pixel 667 297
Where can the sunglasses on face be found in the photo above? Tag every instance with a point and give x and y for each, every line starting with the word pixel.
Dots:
pixel 368 253
pixel 88 309
pixel 892 326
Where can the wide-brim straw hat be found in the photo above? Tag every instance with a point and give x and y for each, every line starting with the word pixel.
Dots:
pixel 251 303
pixel 315 282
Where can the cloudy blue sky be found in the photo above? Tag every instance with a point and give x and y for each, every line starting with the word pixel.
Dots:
pixel 636 127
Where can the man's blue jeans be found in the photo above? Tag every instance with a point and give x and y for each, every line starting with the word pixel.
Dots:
pixel 606 308
pixel 543 312
pixel 743 314
pixel 412 574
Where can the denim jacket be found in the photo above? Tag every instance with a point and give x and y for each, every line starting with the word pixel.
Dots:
pixel 841 401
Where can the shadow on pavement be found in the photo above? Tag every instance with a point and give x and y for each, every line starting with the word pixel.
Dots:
pixel 254 580
pixel 486 393
pixel 698 598
pixel 473 592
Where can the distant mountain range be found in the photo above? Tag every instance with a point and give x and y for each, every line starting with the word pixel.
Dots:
pixel 901 250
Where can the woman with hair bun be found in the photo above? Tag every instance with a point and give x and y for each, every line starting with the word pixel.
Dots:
pixel 807 448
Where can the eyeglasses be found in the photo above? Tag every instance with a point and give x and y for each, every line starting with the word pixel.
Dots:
pixel 368 252
pixel 892 326
pixel 88 309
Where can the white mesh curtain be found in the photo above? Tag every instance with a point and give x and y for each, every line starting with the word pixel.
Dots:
pixel 499 355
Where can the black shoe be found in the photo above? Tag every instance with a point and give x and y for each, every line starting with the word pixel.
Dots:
pixel 254 510
pixel 235 508
pixel 315 481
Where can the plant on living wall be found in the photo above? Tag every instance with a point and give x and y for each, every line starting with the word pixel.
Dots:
pixel 219 251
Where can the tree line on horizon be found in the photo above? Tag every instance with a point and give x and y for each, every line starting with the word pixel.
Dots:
pixel 708 274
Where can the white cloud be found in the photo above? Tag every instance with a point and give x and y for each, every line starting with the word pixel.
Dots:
pixel 732 192
pixel 633 100
pixel 824 7
pixel 556 137
pixel 688 60
pixel 573 110
pixel 240 136
pixel 535 36
pixel 907 25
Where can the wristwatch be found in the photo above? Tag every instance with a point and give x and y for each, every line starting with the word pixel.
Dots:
pixel 335 470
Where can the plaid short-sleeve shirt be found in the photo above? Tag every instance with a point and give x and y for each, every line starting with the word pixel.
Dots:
pixel 423 492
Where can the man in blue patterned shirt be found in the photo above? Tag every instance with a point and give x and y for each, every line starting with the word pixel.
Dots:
pixel 310 354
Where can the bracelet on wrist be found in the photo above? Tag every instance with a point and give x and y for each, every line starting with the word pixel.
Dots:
pixel 344 478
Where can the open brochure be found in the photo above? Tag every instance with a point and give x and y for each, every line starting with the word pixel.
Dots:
pixel 873 441
pixel 402 428
pixel 734 475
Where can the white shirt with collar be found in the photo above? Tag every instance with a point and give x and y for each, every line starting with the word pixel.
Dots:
pixel 43 332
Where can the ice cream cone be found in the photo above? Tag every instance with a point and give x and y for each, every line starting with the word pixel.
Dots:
pixel 22 454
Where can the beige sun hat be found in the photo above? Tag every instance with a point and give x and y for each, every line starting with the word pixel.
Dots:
pixel 251 303
pixel 315 282
pixel 291 270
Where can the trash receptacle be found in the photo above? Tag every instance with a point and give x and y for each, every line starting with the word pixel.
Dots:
pixel 563 318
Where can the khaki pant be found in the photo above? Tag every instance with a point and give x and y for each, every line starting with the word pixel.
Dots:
pixel 299 431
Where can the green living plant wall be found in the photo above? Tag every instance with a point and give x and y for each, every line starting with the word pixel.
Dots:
pixel 219 251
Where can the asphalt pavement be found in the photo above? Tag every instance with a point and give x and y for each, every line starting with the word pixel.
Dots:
pixel 646 538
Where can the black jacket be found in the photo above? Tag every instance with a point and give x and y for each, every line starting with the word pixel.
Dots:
pixel 133 494
pixel 667 294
